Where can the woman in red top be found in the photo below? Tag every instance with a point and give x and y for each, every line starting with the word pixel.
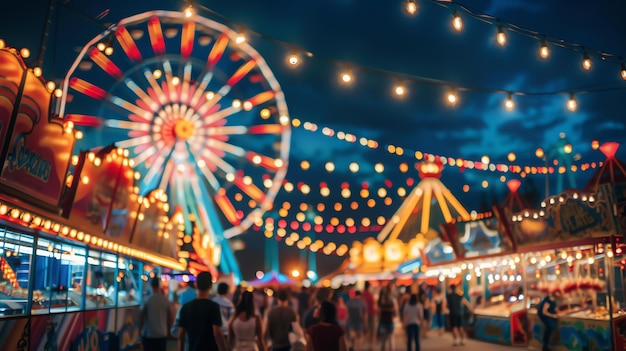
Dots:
pixel 326 335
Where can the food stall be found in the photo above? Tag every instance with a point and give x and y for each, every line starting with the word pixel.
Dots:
pixel 77 241
pixel 493 276
pixel 571 245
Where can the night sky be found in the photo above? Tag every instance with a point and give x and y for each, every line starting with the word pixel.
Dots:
pixel 383 45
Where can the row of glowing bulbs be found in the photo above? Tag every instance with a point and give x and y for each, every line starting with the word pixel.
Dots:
pixel 501 39
pixel 306 242
pixel 49 225
pixel 485 161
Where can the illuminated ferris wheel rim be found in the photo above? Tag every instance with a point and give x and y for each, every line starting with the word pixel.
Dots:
pixel 179 18
pixel 232 35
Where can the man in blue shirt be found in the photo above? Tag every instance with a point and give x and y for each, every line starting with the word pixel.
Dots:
pixel 546 310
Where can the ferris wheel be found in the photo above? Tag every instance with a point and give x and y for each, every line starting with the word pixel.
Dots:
pixel 197 107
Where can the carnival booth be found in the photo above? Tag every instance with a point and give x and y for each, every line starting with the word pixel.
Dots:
pixel 493 277
pixel 77 241
pixel 573 244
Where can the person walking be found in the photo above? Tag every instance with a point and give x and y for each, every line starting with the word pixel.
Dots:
pixel 279 320
pixel 370 303
pixel 456 300
pixel 245 330
pixel 412 317
pixel 357 319
pixel 187 292
pixel 387 310
pixel 439 308
pixel 156 319
pixel 202 320
pixel 310 316
pixel 327 335
pixel 546 310
pixel 226 306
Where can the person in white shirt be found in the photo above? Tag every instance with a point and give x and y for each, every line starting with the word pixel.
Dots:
pixel 412 317
pixel 227 308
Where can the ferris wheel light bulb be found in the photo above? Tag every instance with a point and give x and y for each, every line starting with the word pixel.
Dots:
pixel 240 39
pixel 400 90
pixel 623 71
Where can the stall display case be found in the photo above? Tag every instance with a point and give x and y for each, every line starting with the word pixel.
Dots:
pixel 501 322
pixel 586 283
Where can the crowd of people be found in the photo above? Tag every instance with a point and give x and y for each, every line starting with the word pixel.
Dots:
pixel 315 319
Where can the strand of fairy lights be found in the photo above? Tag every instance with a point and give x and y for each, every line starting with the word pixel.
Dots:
pixel 296 55
pixel 504 27
pixel 484 164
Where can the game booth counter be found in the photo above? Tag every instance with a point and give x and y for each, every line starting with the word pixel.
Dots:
pixel 77 241
pixel 492 277
pixel 574 244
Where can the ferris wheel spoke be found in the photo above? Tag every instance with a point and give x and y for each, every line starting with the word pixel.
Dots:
pixel 85 120
pixel 128 44
pixel 210 177
pixel 267 129
pixel 153 106
pixel 241 72
pixel 269 163
pixel 166 175
pixel 225 130
pixel 217 51
pixel 187 39
pixel 250 189
pixel 214 117
pixel 105 63
pixel 86 88
pixel 156 36
pixel 143 155
pixel 169 87
pixel 201 89
pixel 156 88
pixel 159 160
pixel 218 162
pixel 129 106
pixel 260 98
pixel 119 124
pixel 130 143
pixel 224 203
pixel 185 89
pixel 227 147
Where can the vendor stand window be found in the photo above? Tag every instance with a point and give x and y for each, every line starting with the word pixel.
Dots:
pixel 16 251
pixel 129 282
pixel 101 280
pixel 56 277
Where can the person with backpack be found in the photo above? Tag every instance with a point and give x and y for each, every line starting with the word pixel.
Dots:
pixel 226 306
pixel 546 310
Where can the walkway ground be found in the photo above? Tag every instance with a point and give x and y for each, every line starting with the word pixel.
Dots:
pixel 431 343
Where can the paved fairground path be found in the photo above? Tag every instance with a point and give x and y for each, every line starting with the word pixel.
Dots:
pixel 432 342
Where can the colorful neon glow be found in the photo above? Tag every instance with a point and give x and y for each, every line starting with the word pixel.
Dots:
pixel 188 131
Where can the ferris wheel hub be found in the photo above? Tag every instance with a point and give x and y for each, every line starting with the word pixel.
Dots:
pixel 183 129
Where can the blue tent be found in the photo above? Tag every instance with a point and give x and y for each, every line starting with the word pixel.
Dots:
pixel 271 279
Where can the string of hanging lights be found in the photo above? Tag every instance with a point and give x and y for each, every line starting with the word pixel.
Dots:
pixel 484 164
pixel 544 41
pixel 296 55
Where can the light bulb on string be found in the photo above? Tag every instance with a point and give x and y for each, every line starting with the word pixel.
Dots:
pixel 544 50
pixel 586 62
pixel 411 7
pixel 189 11
pixel 293 59
pixel 509 104
pixel 501 37
pixel 241 38
pixel 452 96
pixel 457 22
pixel 399 90
pixel 623 71
pixel 571 103
pixel 346 77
